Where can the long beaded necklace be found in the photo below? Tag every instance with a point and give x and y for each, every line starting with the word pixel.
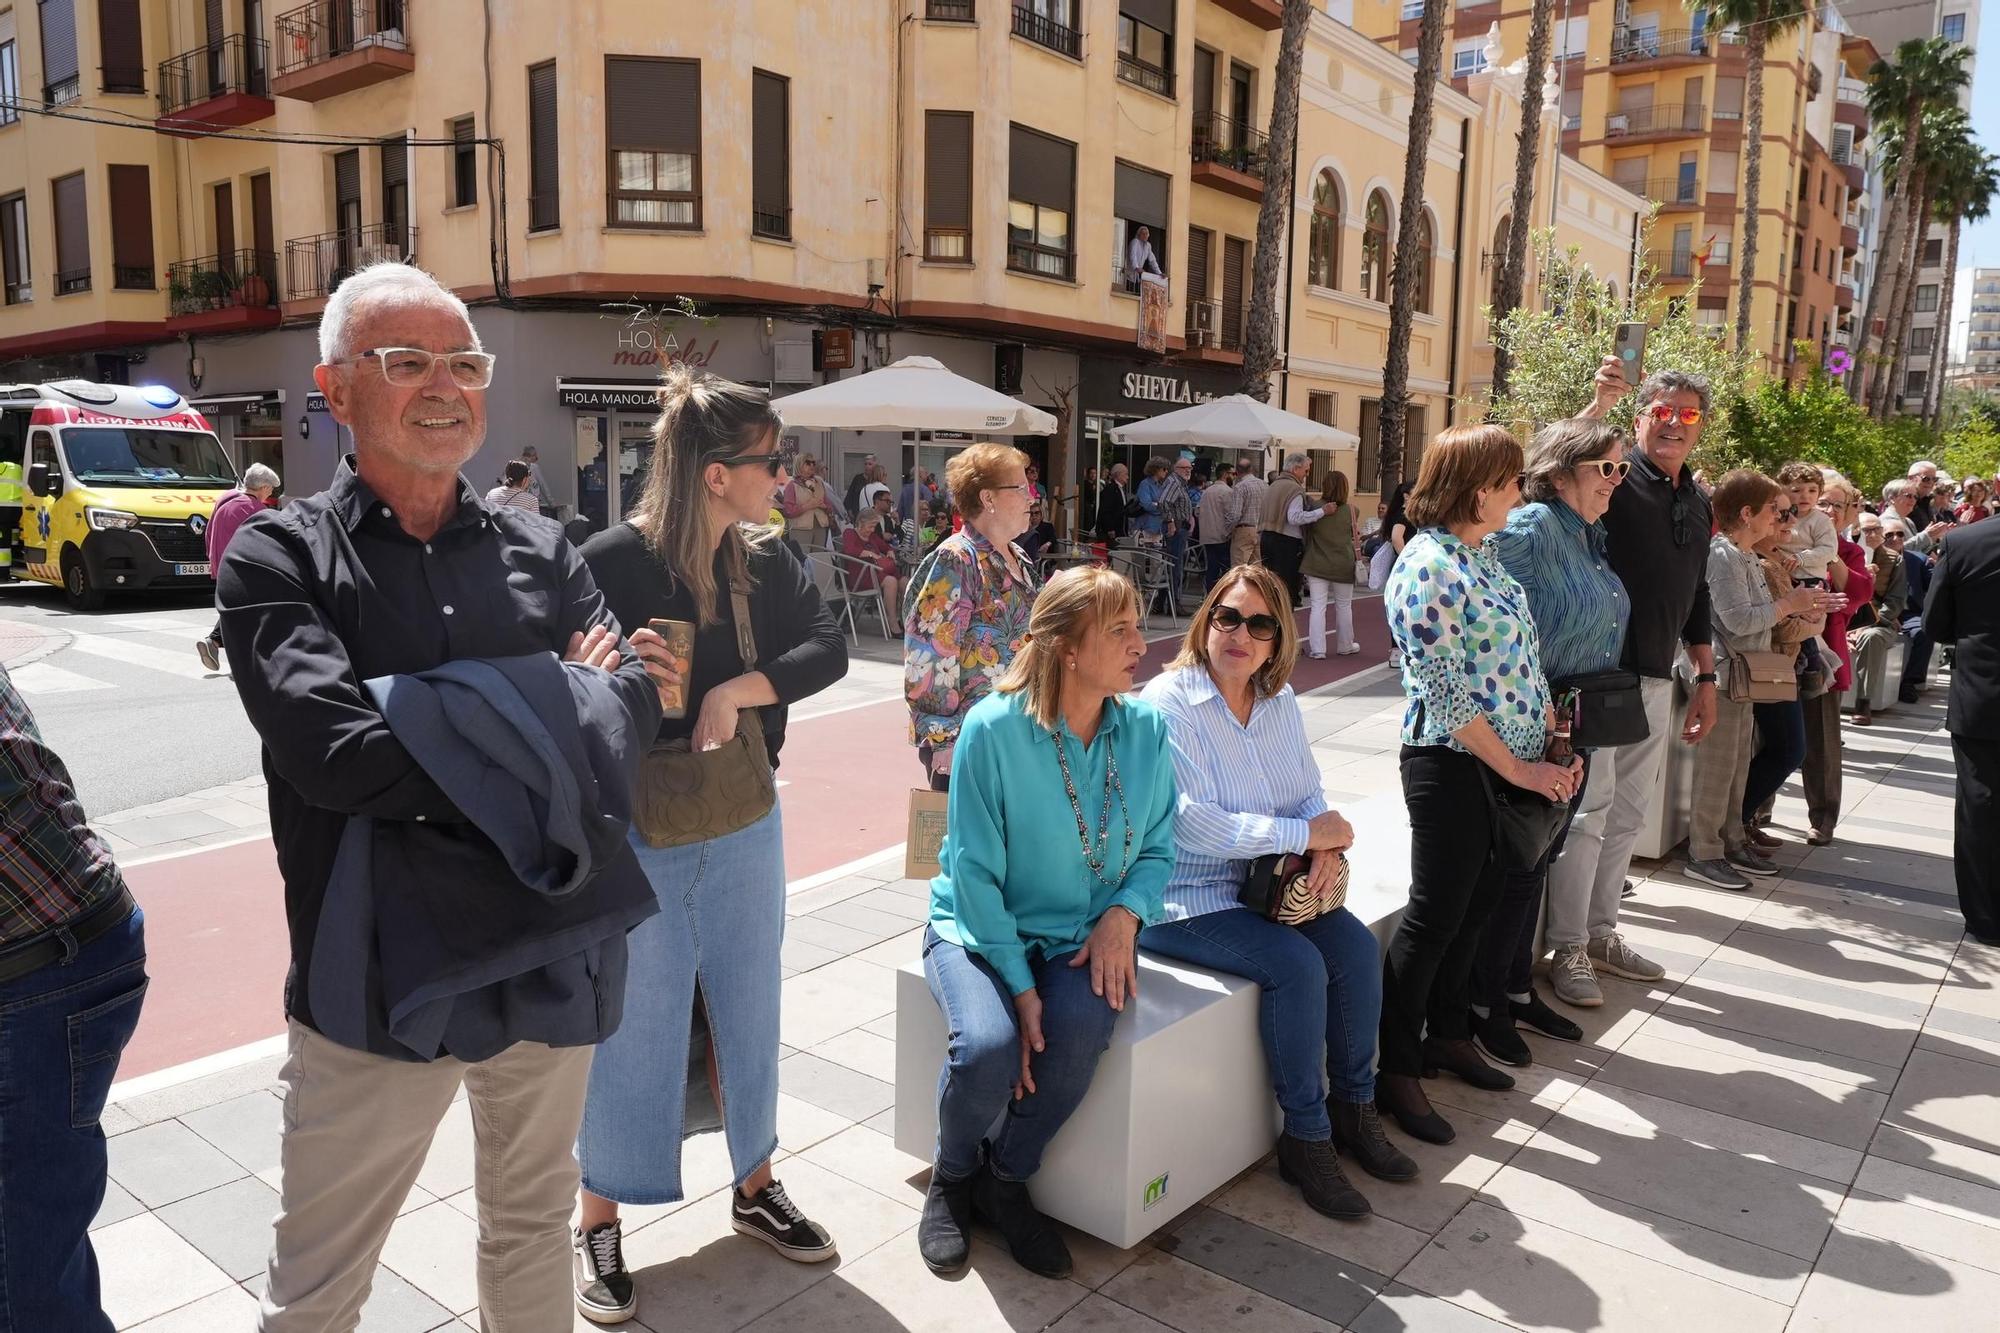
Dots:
pixel 1095 854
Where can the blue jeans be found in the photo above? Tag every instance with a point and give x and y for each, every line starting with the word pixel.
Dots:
pixel 1177 548
pixel 983 1058
pixel 721 921
pixel 1783 729
pixel 1321 1002
pixel 62 1029
pixel 1218 562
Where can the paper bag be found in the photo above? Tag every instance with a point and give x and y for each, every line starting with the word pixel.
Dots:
pixel 925 835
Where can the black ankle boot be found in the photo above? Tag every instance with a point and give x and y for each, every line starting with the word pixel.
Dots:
pixel 1462 1059
pixel 1357 1131
pixel 944 1234
pixel 1540 1017
pixel 1034 1241
pixel 1311 1165
pixel 1495 1035
pixel 1402 1096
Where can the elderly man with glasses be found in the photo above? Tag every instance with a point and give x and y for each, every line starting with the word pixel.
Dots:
pixel 444 929
pixel 1656 541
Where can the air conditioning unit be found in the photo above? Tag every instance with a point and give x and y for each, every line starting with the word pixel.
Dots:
pixel 792 361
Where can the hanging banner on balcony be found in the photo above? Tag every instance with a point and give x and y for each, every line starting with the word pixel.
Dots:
pixel 1152 313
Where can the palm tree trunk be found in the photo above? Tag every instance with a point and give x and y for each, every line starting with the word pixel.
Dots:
pixel 1888 241
pixel 1896 289
pixel 1260 347
pixel 1403 277
pixel 1941 340
pixel 1906 166
pixel 1513 271
pixel 1903 295
pixel 1753 175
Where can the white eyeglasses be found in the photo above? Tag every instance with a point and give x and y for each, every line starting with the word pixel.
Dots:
pixel 408 367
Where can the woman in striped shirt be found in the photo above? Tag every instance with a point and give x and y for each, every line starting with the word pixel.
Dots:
pixel 1249 787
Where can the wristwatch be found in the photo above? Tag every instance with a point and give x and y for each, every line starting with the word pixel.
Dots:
pixel 1705 678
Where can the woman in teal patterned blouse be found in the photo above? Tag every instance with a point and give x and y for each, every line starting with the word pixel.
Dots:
pixel 1471 665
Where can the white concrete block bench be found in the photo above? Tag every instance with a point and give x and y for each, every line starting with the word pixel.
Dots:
pixel 1181 1102
pixel 1884 694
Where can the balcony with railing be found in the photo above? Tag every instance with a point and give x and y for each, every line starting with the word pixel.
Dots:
pixel 1666 120
pixel 127 80
pixel 315 265
pixel 1266 14
pixel 1675 265
pixel 133 278
pixel 1850 106
pixel 70 281
pixel 1650 48
pixel 1672 192
pixel 1153 79
pixel 1843 294
pixel 335 46
pixel 217 86
pixel 223 293
pixel 1215 329
pixel 1045 31
pixel 771 223
pixel 1229 155
pixel 1850 237
pixel 949 11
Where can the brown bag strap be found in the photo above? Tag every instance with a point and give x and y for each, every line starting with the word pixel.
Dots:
pixel 746 635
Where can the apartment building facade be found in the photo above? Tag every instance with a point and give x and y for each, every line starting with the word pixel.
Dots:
pixel 1980 369
pixel 777 194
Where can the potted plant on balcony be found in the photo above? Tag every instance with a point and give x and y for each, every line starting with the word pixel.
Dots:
pixel 210 288
pixel 179 297
pixel 253 291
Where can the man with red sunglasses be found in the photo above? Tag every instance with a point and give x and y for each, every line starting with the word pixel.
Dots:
pixel 1657 532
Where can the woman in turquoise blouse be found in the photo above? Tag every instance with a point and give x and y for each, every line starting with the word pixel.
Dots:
pixel 1061 839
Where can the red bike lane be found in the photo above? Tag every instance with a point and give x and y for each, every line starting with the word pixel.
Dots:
pixel 215 920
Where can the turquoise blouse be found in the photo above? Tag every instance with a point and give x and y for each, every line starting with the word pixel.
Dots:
pixel 1012 873
pixel 1469 645
pixel 1579 603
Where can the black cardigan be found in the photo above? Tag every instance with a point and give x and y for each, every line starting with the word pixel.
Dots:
pixel 800 648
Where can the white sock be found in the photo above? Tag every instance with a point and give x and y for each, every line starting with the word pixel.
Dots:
pixel 1481 1010
pixel 1522 998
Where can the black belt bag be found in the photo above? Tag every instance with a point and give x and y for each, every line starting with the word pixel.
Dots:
pixel 1610 710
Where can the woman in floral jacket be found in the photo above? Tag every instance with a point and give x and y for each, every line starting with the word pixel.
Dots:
pixel 966 609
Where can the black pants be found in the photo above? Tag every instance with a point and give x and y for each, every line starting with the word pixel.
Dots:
pixel 1283 555
pixel 1916 666
pixel 1454 887
pixel 1976 840
pixel 1505 962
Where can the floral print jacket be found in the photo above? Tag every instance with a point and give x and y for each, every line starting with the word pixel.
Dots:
pixel 966 618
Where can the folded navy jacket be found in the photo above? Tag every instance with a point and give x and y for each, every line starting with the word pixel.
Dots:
pixel 520 935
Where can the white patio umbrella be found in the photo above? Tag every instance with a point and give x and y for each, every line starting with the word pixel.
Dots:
pixel 1237 421
pixel 915 393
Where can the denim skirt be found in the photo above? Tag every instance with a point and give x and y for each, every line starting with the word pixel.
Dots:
pixel 721 921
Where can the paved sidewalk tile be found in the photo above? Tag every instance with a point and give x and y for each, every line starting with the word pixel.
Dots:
pixel 168 1161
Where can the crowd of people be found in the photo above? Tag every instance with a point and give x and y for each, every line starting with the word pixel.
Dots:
pixel 452 697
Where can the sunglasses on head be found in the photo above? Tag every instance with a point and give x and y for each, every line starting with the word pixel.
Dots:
pixel 1665 413
pixel 1262 627
pixel 770 462
pixel 1611 469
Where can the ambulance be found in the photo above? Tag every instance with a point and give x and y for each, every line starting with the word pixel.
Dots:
pixel 117 483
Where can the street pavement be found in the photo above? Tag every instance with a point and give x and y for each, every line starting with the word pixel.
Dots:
pixel 1795 1130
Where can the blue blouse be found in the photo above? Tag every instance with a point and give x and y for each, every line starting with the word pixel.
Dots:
pixel 1468 643
pixel 1579 604
pixel 1013 877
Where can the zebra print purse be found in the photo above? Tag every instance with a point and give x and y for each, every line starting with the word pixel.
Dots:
pixel 1278 888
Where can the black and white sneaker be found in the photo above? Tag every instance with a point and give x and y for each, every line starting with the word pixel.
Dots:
pixel 205 649
pixel 772 1217
pixel 604 1293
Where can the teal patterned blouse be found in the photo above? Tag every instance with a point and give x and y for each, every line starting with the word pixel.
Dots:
pixel 1468 643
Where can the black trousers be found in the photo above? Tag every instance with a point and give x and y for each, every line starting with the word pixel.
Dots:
pixel 1976 837
pixel 1505 962
pixel 1454 887
pixel 1283 555
pixel 1916 666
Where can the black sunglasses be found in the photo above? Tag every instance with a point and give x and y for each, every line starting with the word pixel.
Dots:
pixel 1228 619
pixel 770 462
pixel 1680 517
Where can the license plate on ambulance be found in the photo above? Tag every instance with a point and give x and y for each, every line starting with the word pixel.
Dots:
pixel 191 571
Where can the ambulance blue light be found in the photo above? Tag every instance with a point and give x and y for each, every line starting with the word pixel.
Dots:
pixel 160 395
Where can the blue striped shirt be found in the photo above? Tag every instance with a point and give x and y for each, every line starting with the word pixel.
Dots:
pixel 1578 601
pixel 1245 791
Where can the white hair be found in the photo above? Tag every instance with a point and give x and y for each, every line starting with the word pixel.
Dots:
pixel 1295 459
pixel 257 474
pixel 387 281
pixel 1894 523
pixel 1893 491
pixel 1921 467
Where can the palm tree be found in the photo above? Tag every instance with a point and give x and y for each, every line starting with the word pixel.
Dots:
pixel 1970 178
pixel 1759 20
pixel 1403 277
pixel 1260 346
pixel 1939 140
pixel 1926 73
pixel 1513 266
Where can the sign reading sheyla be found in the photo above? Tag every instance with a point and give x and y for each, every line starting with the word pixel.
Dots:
pixel 1144 389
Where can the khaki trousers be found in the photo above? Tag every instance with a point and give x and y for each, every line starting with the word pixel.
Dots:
pixel 1721 771
pixel 356 1130
pixel 1820 774
pixel 1243 545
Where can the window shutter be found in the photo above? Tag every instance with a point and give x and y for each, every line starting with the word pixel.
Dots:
pixel 1041 169
pixel 653 104
pixel 120 44
pixel 72 225
pixel 13 225
pixel 1234 250
pixel 1139 195
pixel 1197 263
pixel 1155 13
pixel 395 163
pixel 346 178
pixel 263 229
pixel 215 21
pixel 770 169
pixel 1204 87
pixel 947 168
pixel 131 217
pixel 58 19
pixel 225 220
pixel 544 176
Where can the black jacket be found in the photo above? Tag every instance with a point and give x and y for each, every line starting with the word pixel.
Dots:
pixel 1963 608
pixel 1112 520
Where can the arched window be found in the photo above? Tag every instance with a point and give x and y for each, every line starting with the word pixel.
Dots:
pixel 1323 258
pixel 1499 258
pixel 1375 249
pixel 1426 251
